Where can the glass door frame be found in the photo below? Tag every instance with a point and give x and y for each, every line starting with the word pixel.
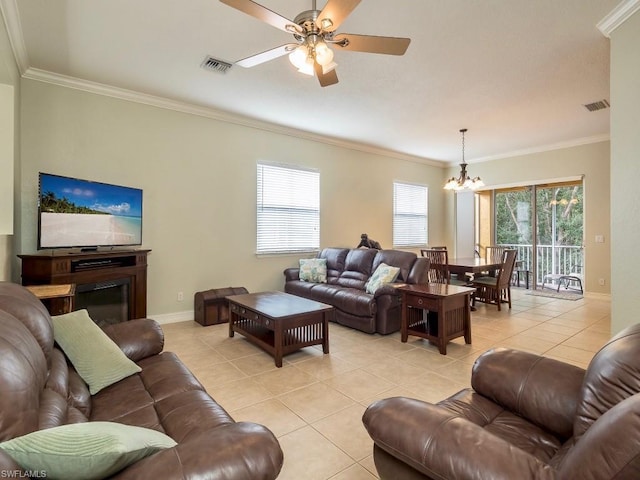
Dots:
pixel 484 202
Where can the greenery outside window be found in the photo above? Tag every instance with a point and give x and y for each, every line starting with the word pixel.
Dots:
pixel 410 219
pixel 288 209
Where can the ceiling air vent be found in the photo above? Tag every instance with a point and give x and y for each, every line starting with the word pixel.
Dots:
pixel 595 106
pixel 215 65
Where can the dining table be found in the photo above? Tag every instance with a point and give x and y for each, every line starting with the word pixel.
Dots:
pixel 473 265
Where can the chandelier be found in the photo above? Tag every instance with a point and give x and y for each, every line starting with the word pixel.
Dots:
pixel 463 182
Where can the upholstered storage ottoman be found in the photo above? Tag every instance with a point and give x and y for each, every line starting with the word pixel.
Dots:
pixel 211 306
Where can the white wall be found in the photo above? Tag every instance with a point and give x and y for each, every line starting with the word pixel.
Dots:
pixel 625 171
pixel 590 160
pixel 199 182
pixel 9 150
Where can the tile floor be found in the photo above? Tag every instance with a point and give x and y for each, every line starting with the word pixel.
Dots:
pixel 314 403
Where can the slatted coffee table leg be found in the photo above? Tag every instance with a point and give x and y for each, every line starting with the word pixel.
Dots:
pixel 325 331
pixel 233 317
pixel 278 340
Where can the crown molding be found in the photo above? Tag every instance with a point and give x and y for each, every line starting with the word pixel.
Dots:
pixel 11 16
pixel 212 113
pixel 605 137
pixel 618 16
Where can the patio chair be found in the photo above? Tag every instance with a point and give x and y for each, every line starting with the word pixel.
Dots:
pixel 496 290
pixel 521 267
pixel 564 279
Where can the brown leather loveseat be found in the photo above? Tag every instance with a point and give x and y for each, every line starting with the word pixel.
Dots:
pixel 526 417
pixel 39 389
pixel 348 270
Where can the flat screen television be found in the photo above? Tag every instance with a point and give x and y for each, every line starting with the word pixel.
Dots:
pixel 75 213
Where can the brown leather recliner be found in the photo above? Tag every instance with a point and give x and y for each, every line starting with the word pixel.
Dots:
pixel 525 417
pixel 39 389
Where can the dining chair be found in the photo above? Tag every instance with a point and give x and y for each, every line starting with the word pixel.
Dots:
pixel 439 266
pixel 496 290
pixel 493 254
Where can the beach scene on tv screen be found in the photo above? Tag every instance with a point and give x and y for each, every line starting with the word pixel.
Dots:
pixel 81 213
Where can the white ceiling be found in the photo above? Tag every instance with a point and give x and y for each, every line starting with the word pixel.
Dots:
pixel 516 73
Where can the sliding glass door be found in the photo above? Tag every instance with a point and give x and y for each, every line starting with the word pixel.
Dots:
pixel 544 223
pixel 513 222
pixel 560 213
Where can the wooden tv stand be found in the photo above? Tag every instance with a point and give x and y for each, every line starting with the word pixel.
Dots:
pixel 81 268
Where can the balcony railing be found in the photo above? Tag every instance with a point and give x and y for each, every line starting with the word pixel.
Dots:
pixel 560 259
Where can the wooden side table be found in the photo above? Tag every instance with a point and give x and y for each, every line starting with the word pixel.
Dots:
pixel 451 305
pixel 57 298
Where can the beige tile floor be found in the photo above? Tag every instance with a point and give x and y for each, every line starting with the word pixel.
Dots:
pixel 314 403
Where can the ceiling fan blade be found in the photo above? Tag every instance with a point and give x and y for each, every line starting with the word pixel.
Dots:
pixel 334 13
pixel 263 57
pixel 372 44
pixel 263 13
pixel 325 79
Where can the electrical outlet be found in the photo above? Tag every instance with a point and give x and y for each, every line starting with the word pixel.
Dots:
pixel 180 296
pixel 601 281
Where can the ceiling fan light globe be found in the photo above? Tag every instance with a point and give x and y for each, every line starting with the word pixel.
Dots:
pixel 326 23
pixel 307 68
pixel 298 57
pixel 324 55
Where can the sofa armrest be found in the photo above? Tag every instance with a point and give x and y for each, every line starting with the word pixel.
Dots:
pixel 419 271
pixel 138 339
pixel 291 274
pixel 439 444
pixel 610 448
pixel 388 289
pixel 542 390
pixel 237 451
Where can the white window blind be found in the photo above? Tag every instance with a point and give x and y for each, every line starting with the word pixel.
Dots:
pixel 288 209
pixel 410 219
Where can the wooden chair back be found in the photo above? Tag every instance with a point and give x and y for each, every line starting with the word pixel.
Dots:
pixel 494 253
pixel 438 264
pixel 506 270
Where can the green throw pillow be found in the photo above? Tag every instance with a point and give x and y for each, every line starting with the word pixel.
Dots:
pixel 91 450
pixel 96 357
pixel 313 270
pixel 383 274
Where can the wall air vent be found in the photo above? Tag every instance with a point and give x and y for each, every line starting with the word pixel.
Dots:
pixel 595 106
pixel 215 65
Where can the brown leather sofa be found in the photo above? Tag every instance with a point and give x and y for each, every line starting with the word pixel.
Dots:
pixel 39 390
pixel 525 417
pixel 347 273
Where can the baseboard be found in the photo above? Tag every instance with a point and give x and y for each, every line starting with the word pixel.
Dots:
pixel 598 296
pixel 175 317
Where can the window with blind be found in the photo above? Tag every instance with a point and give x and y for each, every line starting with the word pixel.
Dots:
pixel 410 218
pixel 288 209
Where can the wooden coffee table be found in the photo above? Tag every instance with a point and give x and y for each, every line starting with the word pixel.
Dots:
pixel 449 313
pixel 280 323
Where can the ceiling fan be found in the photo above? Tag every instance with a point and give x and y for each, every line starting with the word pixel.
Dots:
pixel 314 31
